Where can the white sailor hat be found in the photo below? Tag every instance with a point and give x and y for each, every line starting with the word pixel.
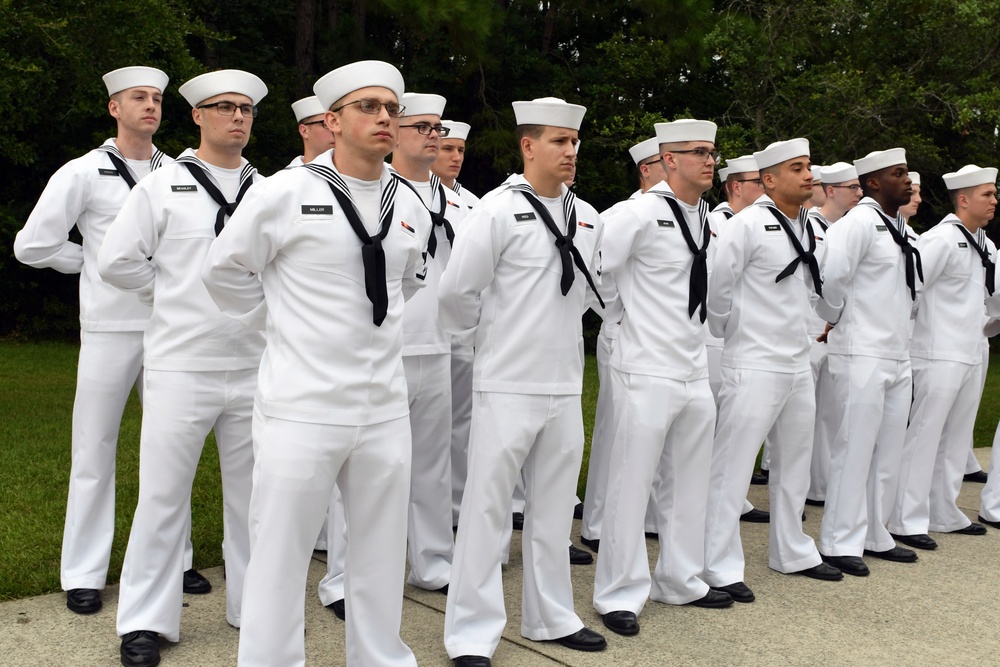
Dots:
pixel 362 74
pixel 838 172
pixel 914 177
pixel 576 146
pixel 817 173
pixel 645 150
pixel 781 151
pixel 723 174
pixel 550 111
pixel 419 104
pixel 740 165
pixel 969 176
pixel 686 129
pixel 307 107
pixel 222 81
pixel 132 77
pixel 880 160
pixel 457 129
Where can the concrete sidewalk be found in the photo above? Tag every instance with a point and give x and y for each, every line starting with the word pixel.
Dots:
pixel 942 610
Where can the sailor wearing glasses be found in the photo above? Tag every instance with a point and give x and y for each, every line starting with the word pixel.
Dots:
pixel 323 256
pixel 519 280
pixel 427 349
pixel 201 367
pixel 316 136
pixel 764 279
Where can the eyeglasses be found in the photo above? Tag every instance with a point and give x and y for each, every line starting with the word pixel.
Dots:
pixel 758 181
pixel 227 108
pixel 702 154
pixel 372 107
pixel 425 128
pixel 852 188
pixel 648 162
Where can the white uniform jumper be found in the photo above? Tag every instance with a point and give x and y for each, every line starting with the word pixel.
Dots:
pixel 758 300
pixel 331 405
pixel 946 354
pixel 200 376
pixel 427 362
pixel 869 301
pixel 528 378
pixel 87 193
pixel 658 255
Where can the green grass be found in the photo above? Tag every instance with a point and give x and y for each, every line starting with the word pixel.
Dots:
pixel 37 382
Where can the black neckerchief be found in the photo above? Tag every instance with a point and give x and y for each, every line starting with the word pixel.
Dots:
pixel 437 218
pixel 820 220
pixel 911 254
pixel 199 170
pixel 801 254
pixel 698 292
pixel 118 160
pixel 984 255
pixel 372 253
pixel 569 254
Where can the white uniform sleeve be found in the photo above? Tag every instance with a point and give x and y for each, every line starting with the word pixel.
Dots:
pixel 248 243
pixel 935 250
pixel 731 257
pixel 846 244
pixel 470 270
pixel 131 239
pixel 416 268
pixel 597 274
pixel 44 241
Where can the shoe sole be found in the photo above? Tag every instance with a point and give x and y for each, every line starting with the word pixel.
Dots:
pixel 84 611
pixel 586 649
pixel 875 554
pixel 902 540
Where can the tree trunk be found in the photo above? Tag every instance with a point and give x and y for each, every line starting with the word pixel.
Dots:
pixel 305 39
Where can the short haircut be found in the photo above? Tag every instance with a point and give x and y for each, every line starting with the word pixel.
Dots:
pixel 533 131
pixel 953 196
pixel 773 170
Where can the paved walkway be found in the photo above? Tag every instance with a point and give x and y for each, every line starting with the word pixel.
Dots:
pixel 942 610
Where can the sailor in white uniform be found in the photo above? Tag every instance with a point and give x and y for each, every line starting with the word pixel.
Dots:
pixel 316 136
pixel 201 367
pixel 843 192
pixel 427 349
pixel 87 193
pixel 658 255
pixel 764 277
pixel 447 167
pixel 946 353
pixel 517 284
pixel 646 156
pixel 871 274
pixel 337 245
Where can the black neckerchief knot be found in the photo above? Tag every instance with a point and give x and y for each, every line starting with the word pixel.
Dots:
pixel 698 290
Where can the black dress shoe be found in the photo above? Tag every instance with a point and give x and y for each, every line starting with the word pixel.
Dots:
pixel 652 536
pixel 739 592
pixel 578 556
pixel 593 545
pixel 971 529
pixel 852 565
pixel 822 572
pixel 472 661
pixel 140 649
pixel 815 503
pixel 583 639
pixel 337 607
pixel 756 516
pixel 195 583
pixel 758 479
pixel 578 511
pixel 994 524
pixel 895 554
pixel 443 590
pixel 714 599
pixel 623 622
pixel 518 523
pixel 84 600
pixel 919 541
pixel 979 477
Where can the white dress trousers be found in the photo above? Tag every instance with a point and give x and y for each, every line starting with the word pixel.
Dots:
pixel 110 364
pixel 755 403
pixel 331 586
pixel 297 465
pixel 600 444
pixel 461 421
pixel 826 428
pixel 989 499
pixel 663 429
pixel 543 435
pixel 942 418
pixel 429 536
pixel 188 404
pixel 866 453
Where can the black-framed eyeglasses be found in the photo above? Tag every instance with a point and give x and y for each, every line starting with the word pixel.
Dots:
pixel 702 154
pixel 372 107
pixel 227 108
pixel 426 128
pixel 315 122
pixel 852 188
pixel 758 181
pixel 649 162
